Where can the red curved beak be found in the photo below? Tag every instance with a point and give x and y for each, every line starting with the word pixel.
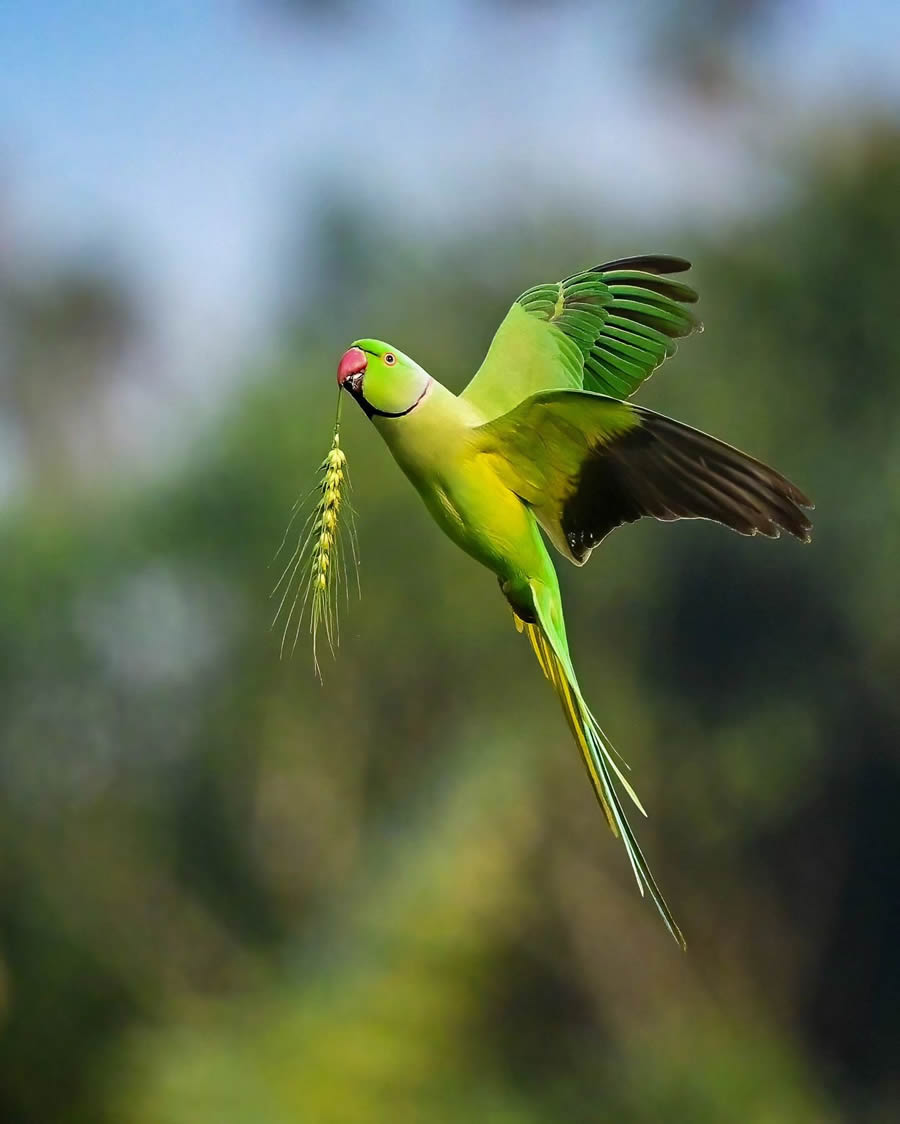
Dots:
pixel 353 362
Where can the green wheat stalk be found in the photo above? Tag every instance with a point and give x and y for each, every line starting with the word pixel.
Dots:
pixel 317 572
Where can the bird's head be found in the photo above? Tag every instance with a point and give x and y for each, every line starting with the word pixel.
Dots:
pixel 384 381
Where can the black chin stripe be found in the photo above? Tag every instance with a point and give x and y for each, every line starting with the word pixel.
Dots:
pixel 372 411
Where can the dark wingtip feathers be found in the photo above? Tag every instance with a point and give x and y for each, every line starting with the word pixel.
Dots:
pixel 649 263
pixel 751 497
pixel 667 470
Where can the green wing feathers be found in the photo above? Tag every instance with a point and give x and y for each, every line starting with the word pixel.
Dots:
pixel 586 463
pixel 624 318
pixel 598 760
pixel 606 329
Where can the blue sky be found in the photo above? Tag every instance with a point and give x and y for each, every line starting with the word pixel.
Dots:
pixel 174 136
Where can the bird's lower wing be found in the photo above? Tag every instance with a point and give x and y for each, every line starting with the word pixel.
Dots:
pixel 587 463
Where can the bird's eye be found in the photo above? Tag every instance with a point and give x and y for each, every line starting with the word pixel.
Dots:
pixel 390 358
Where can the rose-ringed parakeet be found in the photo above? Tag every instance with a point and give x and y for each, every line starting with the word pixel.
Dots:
pixel 543 439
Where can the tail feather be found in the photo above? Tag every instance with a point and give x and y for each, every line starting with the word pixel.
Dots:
pixel 598 759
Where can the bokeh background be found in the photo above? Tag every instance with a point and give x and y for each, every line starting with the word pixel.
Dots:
pixel 231 894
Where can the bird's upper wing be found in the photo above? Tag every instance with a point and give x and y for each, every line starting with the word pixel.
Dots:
pixel 586 463
pixel 605 330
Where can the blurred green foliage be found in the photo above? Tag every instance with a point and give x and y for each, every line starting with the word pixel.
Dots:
pixel 230 894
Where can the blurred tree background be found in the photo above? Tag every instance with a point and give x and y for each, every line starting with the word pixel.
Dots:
pixel 228 893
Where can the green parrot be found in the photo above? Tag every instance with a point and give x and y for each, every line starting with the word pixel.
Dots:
pixel 543 439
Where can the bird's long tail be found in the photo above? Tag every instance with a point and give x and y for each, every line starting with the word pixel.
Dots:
pixel 551 649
